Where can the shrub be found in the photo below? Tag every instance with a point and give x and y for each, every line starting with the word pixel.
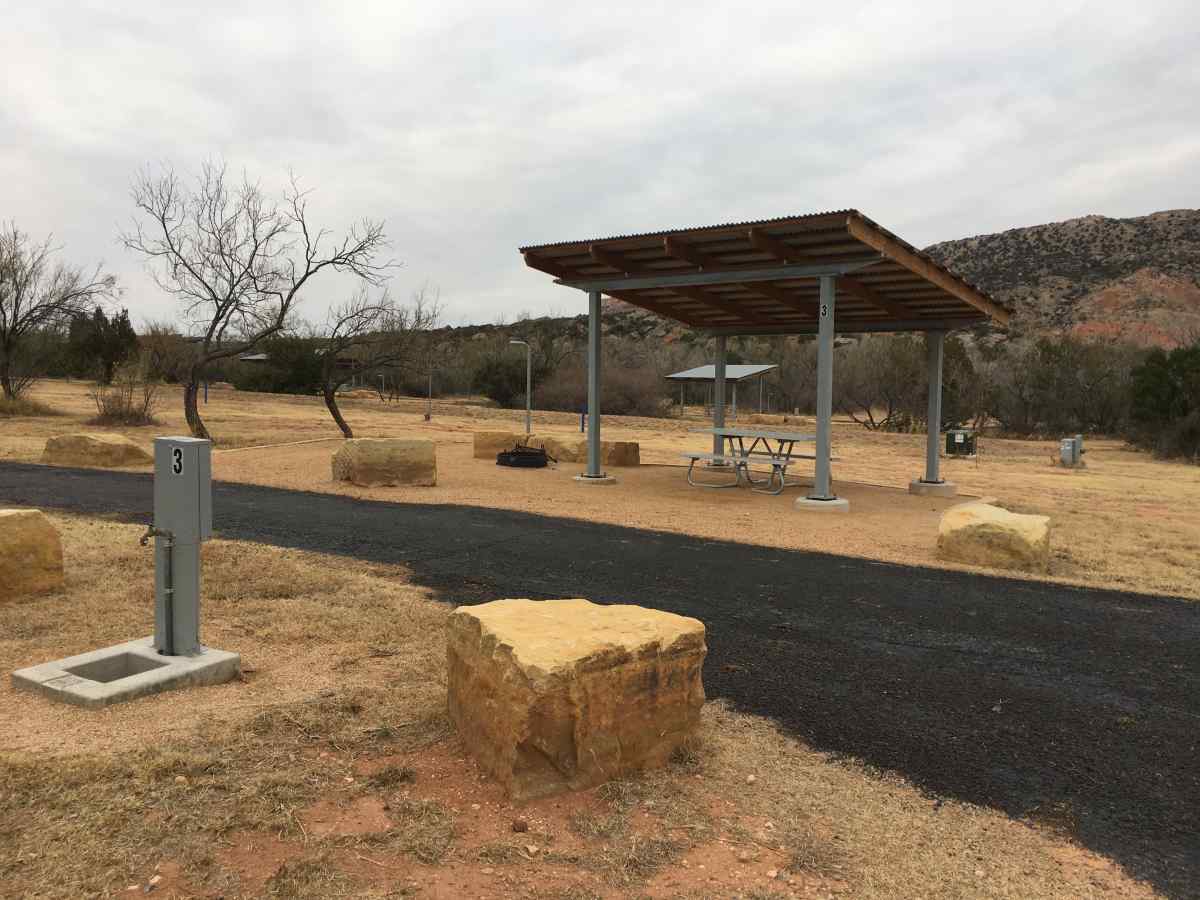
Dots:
pixel 1166 402
pixel 626 391
pixel 501 378
pixel 292 367
pixel 23 405
pixel 131 399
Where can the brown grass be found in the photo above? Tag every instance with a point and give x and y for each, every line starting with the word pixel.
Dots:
pixel 24 406
pixel 343 701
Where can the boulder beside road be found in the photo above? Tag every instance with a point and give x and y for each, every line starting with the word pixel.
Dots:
pixel 31 555
pixel 486 444
pixel 386 462
pixel 98 448
pixel 985 535
pixel 560 695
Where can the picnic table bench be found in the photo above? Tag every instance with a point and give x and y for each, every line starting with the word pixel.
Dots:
pixel 778 451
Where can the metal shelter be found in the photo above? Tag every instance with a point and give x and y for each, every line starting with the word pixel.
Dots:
pixel 736 374
pixel 806 274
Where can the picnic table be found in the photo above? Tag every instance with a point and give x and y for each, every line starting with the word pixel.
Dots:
pixel 766 447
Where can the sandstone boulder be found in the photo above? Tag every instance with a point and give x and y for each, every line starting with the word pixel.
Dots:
pixel 561 695
pixel 986 535
pixel 614 453
pixel 488 443
pixel 376 462
pixel 562 451
pixel 95 449
pixel 31 556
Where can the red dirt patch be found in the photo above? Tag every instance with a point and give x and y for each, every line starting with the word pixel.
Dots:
pixel 365 815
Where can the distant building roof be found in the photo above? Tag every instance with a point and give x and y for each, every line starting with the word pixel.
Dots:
pixel 732 373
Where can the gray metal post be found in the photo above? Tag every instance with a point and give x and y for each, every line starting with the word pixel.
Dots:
pixel 182 520
pixel 593 435
pixel 825 330
pixel 934 344
pixel 719 394
pixel 735 401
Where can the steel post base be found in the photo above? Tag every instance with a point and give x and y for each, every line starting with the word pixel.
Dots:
pixel 596 479
pixel 833 504
pixel 923 488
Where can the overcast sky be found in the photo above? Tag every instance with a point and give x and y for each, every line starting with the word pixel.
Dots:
pixel 474 128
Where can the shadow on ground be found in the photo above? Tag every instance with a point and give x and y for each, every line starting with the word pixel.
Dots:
pixel 1080 708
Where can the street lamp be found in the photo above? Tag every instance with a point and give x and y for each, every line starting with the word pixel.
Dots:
pixel 528 385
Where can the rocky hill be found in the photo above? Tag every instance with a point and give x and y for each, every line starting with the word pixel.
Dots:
pixel 1133 279
pixel 1110 279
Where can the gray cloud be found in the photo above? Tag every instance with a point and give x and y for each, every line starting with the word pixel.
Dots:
pixel 475 128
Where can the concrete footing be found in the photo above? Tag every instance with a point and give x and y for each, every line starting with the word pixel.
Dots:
pixel 125 672
pixel 932 488
pixel 834 504
pixel 596 479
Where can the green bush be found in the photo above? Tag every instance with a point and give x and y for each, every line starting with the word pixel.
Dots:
pixel 292 367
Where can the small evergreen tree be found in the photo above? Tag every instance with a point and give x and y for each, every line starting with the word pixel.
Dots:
pixel 96 344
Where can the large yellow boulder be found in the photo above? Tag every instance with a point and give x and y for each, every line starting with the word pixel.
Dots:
pixel 95 448
pixel 379 462
pixel 986 535
pixel 488 443
pixel 614 453
pixel 31 556
pixel 560 695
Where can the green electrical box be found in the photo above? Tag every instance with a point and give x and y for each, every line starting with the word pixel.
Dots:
pixel 960 442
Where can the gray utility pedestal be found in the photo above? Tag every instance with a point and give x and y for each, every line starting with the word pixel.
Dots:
pixel 174 656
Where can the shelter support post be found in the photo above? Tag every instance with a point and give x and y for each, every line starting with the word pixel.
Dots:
pixel 719 394
pixel 593 475
pixel 735 401
pixel 932 483
pixel 822 496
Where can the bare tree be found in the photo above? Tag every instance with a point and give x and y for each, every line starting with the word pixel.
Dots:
pixel 38 294
pixel 238 261
pixel 364 336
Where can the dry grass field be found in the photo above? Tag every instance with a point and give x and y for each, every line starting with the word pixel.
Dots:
pixel 1127 521
pixel 330 770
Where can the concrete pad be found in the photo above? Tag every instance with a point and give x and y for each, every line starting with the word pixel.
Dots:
pixel 596 479
pixel 932 488
pixel 836 504
pixel 124 672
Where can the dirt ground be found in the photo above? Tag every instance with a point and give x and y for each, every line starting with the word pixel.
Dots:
pixel 330 770
pixel 1126 521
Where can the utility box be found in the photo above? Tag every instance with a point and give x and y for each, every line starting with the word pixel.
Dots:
pixel 1070 451
pixel 183 488
pixel 960 442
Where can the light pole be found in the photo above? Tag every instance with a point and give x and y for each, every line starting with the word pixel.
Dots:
pixel 528 385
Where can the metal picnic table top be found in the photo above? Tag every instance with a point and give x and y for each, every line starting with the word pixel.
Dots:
pixel 757 433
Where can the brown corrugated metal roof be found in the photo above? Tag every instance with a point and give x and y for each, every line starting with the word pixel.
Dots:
pixel 897 287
